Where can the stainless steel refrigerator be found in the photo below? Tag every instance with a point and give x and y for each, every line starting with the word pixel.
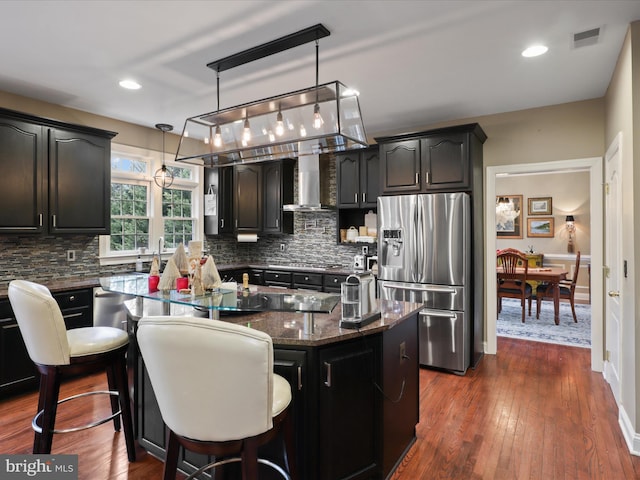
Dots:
pixel 424 255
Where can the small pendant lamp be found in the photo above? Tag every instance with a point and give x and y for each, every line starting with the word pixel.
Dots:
pixel 163 177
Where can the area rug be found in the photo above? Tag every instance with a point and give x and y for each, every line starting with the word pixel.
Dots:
pixel 544 329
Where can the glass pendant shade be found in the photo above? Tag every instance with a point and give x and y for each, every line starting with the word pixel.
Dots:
pixel 342 128
pixel 163 177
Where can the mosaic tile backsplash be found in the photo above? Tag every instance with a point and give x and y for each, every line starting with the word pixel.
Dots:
pixel 45 258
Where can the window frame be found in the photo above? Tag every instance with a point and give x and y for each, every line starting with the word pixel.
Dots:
pixel 153 160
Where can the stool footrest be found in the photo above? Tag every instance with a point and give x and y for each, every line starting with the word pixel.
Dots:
pixel 37 428
pixel 219 463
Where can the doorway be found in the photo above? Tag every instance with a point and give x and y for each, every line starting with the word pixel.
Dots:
pixel 594 166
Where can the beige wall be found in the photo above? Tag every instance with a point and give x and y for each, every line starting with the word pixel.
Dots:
pixel 128 133
pixel 622 114
pixel 570 195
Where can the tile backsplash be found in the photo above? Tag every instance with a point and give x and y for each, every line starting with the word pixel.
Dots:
pixel 43 259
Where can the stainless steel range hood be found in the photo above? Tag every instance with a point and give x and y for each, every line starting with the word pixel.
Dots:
pixel 313 185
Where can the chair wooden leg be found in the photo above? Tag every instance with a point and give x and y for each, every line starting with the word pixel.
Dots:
pixel 249 460
pixel 530 300
pixel 171 459
pixel 523 309
pixel 48 403
pixel 121 378
pixel 573 310
pixel 289 445
pixel 113 386
pixel 538 305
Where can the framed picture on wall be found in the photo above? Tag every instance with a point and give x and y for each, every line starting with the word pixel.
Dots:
pixel 540 206
pixel 540 227
pixel 509 216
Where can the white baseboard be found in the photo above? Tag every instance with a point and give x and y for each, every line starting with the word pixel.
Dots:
pixel 630 435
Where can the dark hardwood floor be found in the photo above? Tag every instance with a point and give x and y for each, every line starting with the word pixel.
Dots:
pixel 533 411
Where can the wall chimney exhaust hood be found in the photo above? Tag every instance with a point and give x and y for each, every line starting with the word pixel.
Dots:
pixel 325 118
pixel 313 184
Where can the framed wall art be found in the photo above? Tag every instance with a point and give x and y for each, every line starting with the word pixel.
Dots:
pixel 540 206
pixel 509 216
pixel 540 227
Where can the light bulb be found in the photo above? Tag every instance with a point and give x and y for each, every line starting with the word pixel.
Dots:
pixel 246 134
pixel 303 131
pixel 217 138
pixel 279 125
pixel 317 118
pixel 272 137
pixel 206 140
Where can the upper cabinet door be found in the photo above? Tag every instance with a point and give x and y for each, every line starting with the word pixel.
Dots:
pixel 272 217
pixel 400 167
pixel 369 178
pixel 248 199
pixel 22 161
pixel 79 183
pixel 348 177
pixel 445 159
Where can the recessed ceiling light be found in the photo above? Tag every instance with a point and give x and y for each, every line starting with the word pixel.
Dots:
pixel 130 84
pixel 534 51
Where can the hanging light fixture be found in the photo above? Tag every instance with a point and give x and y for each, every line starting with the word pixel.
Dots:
pixel 252 130
pixel 217 138
pixel 279 123
pixel 163 177
pixel 317 118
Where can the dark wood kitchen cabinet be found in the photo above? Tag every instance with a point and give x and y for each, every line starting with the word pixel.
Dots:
pixel 358 178
pixel 56 176
pixel 219 183
pixel 247 205
pixel 278 191
pixel 347 411
pixel 442 160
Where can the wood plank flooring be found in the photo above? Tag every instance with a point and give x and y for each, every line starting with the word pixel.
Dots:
pixel 533 411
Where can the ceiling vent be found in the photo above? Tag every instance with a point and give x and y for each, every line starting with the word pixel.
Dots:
pixel 586 38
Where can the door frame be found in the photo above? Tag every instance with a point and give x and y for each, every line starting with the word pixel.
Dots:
pixel 594 166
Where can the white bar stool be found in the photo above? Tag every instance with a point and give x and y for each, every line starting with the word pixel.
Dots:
pixel 57 352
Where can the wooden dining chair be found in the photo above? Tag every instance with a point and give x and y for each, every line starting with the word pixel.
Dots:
pixel 567 291
pixel 512 284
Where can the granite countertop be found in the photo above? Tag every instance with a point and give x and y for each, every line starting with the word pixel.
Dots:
pixel 61 284
pixel 288 328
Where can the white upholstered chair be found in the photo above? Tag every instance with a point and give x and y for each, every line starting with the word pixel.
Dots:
pixel 57 352
pixel 216 390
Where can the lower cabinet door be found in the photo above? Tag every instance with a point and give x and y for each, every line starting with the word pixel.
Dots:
pixel 348 412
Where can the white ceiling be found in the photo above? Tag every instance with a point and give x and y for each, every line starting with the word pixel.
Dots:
pixel 414 62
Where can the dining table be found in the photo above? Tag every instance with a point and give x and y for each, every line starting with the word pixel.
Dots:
pixel 549 275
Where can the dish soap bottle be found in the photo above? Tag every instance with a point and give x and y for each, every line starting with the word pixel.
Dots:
pixel 139 264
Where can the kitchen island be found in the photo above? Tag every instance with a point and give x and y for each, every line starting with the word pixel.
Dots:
pixel 355 392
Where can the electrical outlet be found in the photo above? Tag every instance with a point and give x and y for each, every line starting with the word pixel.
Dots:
pixel 365 249
pixel 282 247
pixel 403 352
pixel 71 255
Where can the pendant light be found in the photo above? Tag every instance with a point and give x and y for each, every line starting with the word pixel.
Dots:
pixel 283 125
pixel 163 177
pixel 217 138
pixel 317 118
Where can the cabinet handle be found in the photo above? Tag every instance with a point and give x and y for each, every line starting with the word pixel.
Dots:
pixel 364 198
pixel 299 378
pixel 40 219
pixel 335 280
pixel 277 223
pixel 72 298
pixel 355 197
pixel 327 382
pixel 236 223
pixel 73 315
pixel 417 178
pixel 53 220
pixel 427 174
pixel 222 223
pixel 306 278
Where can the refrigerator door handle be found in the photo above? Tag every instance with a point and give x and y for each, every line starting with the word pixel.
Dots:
pixel 437 313
pixel 422 288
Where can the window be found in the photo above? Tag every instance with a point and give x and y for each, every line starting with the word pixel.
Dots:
pixel 142 212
